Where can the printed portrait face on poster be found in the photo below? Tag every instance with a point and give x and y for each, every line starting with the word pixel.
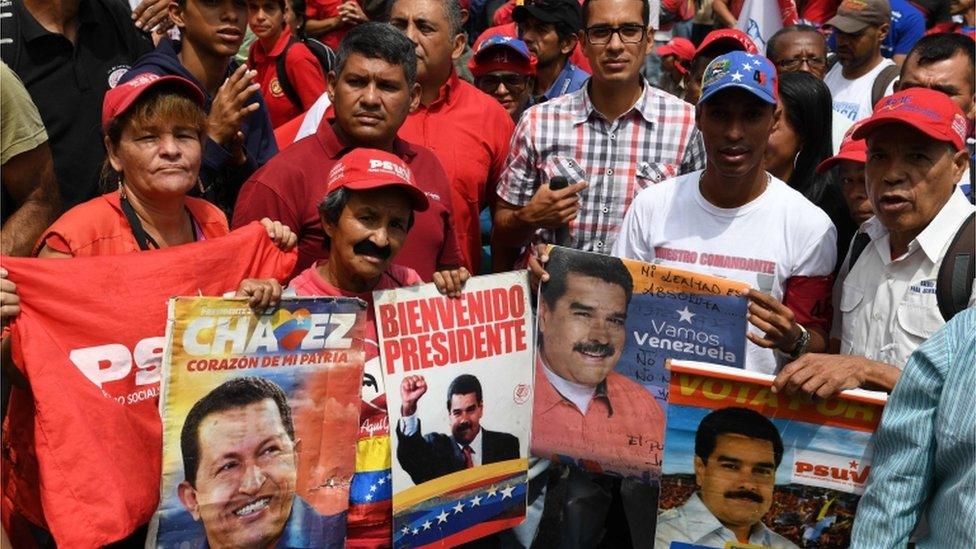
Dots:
pixel 743 464
pixel 260 418
pixel 605 328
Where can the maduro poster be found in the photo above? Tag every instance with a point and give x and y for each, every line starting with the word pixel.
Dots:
pixel 260 415
pixel 745 465
pixel 459 389
pixel 605 328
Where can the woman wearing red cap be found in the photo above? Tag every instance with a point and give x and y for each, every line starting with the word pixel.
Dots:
pixel 154 128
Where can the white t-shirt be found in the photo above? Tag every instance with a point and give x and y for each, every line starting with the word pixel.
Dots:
pixel 852 98
pixel 764 243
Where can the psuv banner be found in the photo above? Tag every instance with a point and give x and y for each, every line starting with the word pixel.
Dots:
pixel 606 327
pixel 742 461
pixel 459 389
pixel 85 442
pixel 260 419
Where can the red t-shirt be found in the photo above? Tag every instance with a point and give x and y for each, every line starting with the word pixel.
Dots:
pixel 327 9
pixel 99 227
pixel 819 11
pixel 304 73
pixel 290 187
pixel 469 132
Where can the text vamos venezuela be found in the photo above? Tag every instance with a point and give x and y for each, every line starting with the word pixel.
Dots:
pixel 424 333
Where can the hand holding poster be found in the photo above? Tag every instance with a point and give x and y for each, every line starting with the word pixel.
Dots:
pixel 260 415
pixel 606 327
pixel 743 464
pixel 459 379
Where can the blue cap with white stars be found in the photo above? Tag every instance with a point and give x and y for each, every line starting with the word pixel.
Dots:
pixel 738 69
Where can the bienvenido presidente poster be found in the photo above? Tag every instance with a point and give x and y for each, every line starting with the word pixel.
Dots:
pixel 459 386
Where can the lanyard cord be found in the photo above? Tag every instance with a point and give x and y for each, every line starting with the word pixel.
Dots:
pixel 142 237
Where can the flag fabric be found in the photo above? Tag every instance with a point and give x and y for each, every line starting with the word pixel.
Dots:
pixel 760 19
pixel 84 444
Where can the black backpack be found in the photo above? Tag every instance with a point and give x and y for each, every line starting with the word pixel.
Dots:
pixel 954 283
pixel 323 53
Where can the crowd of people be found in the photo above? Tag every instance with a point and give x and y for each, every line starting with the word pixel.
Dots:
pixel 399 142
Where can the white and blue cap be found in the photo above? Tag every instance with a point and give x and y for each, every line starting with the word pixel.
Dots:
pixel 739 69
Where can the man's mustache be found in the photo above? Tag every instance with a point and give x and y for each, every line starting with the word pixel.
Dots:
pixel 744 494
pixel 366 247
pixel 594 348
pixel 463 426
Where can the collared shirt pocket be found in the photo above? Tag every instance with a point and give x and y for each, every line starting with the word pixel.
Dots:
pixel 918 319
pixel 851 299
pixel 652 173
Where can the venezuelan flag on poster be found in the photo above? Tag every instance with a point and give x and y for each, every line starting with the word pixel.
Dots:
pixel 461 506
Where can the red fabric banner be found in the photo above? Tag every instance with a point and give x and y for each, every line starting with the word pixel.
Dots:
pixel 83 448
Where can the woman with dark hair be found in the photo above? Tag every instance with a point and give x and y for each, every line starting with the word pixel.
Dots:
pixel 290 94
pixel 801 140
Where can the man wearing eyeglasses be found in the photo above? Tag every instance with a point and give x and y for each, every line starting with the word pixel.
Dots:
pixel 610 139
pixel 801 47
pixel 798 48
pixel 504 69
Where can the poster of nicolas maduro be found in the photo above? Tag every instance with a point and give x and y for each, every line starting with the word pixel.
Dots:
pixel 752 468
pixel 459 386
pixel 606 326
pixel 260 416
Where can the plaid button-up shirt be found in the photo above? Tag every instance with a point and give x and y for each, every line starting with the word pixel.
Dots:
pixel 655 140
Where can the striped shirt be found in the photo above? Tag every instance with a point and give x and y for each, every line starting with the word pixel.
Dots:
pixel 925 448
pixel 655 140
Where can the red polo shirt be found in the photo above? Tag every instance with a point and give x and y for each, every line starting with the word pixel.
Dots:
pixel 327 9
pixel 469 132
pixel 290 187
pixel 304 73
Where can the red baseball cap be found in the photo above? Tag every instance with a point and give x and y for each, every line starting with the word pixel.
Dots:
pixel 928 111
pixel 120 98
pixel 364 169
pixel 733 39
pixel 682 48
pixel 855 150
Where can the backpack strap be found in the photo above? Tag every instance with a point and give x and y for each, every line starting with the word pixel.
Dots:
pixel 881 82
pixel 280 68
pixel 955 281
pixel 861 241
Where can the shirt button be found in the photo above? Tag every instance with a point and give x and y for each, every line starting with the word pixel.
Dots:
pixel 606 210
pixel 599 244
pixel 613 136
pixel 609 171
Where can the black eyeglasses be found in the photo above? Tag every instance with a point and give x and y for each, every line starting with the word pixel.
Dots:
pixel 514 83
pixel 795 63
pixel 602 34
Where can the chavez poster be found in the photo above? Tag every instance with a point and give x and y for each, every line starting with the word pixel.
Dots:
pixel 459 386
pixel 743 464
pixel 260 416
pixel 606 326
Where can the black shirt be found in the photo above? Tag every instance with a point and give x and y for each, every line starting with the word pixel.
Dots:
pixel 68 81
